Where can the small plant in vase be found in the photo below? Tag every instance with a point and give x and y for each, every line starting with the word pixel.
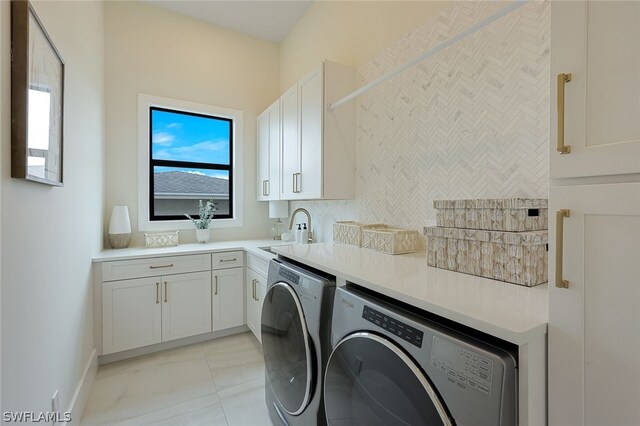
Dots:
pixel 205 211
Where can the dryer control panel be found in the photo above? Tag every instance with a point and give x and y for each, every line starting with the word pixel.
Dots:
pixel 394 326
pixel 466 368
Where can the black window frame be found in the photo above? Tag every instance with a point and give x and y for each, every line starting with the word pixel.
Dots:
pixel 188 164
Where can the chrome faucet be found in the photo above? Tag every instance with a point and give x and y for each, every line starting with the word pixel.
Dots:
pixel 305 211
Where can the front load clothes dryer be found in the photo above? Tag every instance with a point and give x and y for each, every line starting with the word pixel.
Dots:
pixel 296 318
pixel 391 367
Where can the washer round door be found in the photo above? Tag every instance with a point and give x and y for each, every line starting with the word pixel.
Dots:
pixel 286 348
pixel 370 381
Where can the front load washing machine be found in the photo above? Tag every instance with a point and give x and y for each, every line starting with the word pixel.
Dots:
pixel 296 318
pixel 390 366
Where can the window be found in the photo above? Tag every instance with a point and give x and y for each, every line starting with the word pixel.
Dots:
pixel 190 160
pixel 187 152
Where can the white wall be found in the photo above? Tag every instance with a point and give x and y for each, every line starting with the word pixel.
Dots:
pixel 50 234
pixel 157 52
pixel 471 122
pixel 348 32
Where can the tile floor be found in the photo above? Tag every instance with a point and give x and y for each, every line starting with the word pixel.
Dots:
pixel 219 382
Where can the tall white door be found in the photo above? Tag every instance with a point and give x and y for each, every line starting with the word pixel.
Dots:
pixel 228 298
pixel 275 128
pixel 290 166
pixel 311 154
pixel 263 154
pixel 598 43
pixel 186 305
pixel 594 323
pixel 131 314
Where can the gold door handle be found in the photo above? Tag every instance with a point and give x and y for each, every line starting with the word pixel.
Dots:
pixel 560 146
pixel 216 284
pixel 254 289
pixel 157 292
pixel 165 292
pixel 560 215
pixel 161 266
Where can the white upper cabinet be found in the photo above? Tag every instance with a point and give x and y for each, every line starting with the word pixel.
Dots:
pixel 317 146
pixel 598 44
pixel 290 142
pixel 269 128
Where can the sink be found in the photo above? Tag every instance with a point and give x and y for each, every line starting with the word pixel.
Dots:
pixel 267 249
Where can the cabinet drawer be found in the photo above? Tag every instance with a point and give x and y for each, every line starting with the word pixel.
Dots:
pixel 228 259
pixel 139 268
pixel 258 264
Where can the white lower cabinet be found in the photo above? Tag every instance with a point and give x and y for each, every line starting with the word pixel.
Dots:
pixel 186 305
pixel 141 312
pixel 131 314
pixel 228 298
pixel 256 287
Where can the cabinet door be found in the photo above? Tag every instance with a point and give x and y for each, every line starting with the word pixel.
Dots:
pixel 186 305
pixel 309 183
pixel 594 333
pixel 253 302
pixel 599 44
pixel 268 125
pixel 290 144
pixel 228 298
pixel 131 314
pixel 263 154
pixel 273 186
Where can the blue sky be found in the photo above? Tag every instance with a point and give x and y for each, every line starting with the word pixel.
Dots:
pixel 185 137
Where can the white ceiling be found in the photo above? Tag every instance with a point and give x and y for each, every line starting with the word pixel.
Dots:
pixel 268 20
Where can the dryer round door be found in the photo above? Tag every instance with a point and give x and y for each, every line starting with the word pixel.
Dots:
pixel 371 381
pixel 286 348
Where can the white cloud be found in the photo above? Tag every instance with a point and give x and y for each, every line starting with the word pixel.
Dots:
pixel 174 126
pixel 163 138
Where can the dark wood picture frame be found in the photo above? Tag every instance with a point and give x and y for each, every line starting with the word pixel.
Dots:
pixel 37 99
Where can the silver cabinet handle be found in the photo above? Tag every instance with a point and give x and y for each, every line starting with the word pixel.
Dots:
pixel 165 292
pixel 216 286
pixel 161 266
pixel 255 282
pixel 294 182
pixel 560 215
pixel 264 188
pixel 228 260
pixel 158 292
pixel 268 187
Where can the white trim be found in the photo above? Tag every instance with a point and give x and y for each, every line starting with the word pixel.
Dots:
pixel 81 395
pixel 147 101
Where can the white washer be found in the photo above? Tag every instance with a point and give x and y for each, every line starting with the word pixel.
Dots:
pixel 390 366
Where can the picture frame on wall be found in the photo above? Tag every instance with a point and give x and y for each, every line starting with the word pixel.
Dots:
pixel 37 99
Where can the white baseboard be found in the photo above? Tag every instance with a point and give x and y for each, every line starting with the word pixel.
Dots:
pixel 81 395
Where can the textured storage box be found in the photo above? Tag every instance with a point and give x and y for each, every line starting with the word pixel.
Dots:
pixel 511 214
pixel 349 232
pixel 163 239
pixel 391 241
pixel 514 257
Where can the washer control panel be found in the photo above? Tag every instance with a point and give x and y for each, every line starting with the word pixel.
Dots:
pixel 463 367
pixel 393 326
pixel 289 275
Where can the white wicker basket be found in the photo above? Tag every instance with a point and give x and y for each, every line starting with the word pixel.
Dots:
pixel 350 232
pixel 163 239
pixel 391 241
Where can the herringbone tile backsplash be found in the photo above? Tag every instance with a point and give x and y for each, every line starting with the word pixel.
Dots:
pixel 470 122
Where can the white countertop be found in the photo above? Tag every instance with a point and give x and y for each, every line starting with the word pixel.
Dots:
pixel 511 312
pixel 251 246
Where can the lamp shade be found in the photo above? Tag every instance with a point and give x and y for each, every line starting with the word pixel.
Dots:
pixel 120 223
pixel 278 209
